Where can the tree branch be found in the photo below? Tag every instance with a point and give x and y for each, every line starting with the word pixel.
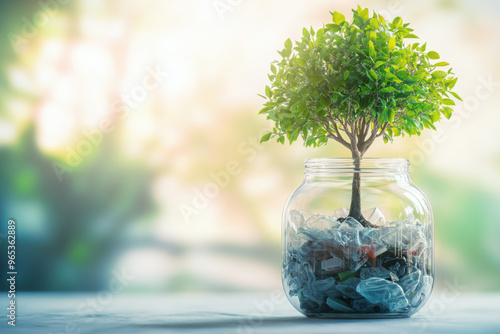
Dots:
pixel 366 129
pixel 382 131
pixel 366 144
pixel 343 142
pixel 351 133
pixel 339 140
pixel 362 127
pixel 330 134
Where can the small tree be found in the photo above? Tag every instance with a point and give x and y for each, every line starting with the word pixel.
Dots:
pixel 354 82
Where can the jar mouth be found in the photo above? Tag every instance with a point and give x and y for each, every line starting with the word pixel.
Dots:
pixel 367 166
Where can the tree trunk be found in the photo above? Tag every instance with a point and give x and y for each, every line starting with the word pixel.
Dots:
pixel 355 209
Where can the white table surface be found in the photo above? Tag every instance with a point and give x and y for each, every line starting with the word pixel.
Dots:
pixel 232 313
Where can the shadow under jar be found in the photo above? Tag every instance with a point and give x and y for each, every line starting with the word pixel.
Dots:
pixel 379 266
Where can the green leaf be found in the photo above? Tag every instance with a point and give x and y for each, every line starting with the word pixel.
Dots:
pixel 322 140
pixel 435 116
pixel 322 113
pixel 456 96
pixel 431 126
pixel 387 90
pixel 315 78
pixel 301 61
pixel 439 74
pixel 310 141
pixel 373 75
pixel 411 36
pixel 364 102
pixel 371 49
pixel 346 75
pixel 397 22
pixel 336 96
pixel 273 69
pixel 442 63
pixel 392 115
pixel 303 108
pixel 269 92
pixel 382 20
pixel 264 110
pixel 358 20
pixel 433 55
pixel 333 27
pixel 448 102
pixel 304 132
pixel 452 83
pixel 427 107
pixel 288 44
pixel 406 88
pixel 447 111
pixel 306 34
pixel 418 124
pixel 365 14
pixel 320 33
pixel 338 18
pixel 325 102
pixel 286 124
pixel 392 43
pixel 374 23
pixel 266 137
pixel 379 63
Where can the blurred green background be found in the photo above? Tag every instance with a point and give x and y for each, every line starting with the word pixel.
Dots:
pixel 118 117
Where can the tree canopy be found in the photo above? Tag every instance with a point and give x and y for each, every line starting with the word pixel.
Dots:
pixel 356 81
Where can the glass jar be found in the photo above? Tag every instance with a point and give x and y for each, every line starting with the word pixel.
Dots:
pixel 379 265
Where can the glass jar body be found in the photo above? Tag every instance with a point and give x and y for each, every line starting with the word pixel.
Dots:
pixel 380 265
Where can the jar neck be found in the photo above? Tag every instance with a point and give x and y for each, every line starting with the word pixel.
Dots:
pixel 369 168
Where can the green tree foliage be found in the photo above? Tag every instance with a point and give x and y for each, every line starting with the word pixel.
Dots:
pixel 355 81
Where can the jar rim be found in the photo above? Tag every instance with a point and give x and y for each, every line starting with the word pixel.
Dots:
pixel 367 165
